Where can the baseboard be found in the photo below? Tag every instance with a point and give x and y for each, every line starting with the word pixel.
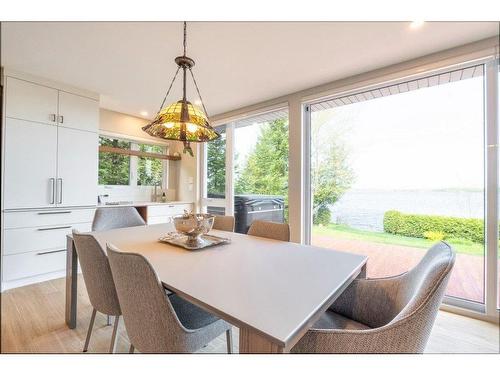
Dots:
pixel 6 285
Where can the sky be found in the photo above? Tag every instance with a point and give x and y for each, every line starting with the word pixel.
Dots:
pixel 430 138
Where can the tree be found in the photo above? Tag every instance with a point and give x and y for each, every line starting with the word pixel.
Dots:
pixel 216 166
pixel 331 175
pixel 266 168
pixel 114 169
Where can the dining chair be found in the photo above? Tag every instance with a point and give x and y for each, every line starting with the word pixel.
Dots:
pixel 155 322
pixel 225 223
pixel 98 281
pixel 107 218
pixel 269 229
pixel 384 315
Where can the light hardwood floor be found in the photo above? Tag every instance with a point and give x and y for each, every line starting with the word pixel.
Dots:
pixel 32 321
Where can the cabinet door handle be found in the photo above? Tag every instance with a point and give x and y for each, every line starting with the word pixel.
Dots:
pixel 52 190
pixel 54 212
pixel 54 228
pixel 53 117
pixel 60 188
pixel 51 252
pixel 61 119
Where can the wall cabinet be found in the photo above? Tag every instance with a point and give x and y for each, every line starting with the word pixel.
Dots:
pixel 30 169
pixel 51 147
pixel 27 101
pixel 50 152
pixel 77 164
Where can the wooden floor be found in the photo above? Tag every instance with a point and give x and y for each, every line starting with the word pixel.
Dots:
pixel 32 321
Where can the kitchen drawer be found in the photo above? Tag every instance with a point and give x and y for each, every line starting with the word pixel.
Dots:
pixel 18 266
pixel 168 209
pixel 49 217
pixel 159 220
pixel 22 240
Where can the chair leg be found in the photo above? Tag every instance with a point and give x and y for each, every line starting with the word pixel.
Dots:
pixel 89 332
pixel 131 349
pixel 229 341
pixel 112 346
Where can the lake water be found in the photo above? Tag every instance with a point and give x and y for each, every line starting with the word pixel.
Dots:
pixel 364 209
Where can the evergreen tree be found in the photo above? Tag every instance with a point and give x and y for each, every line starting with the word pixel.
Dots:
pixel 216 166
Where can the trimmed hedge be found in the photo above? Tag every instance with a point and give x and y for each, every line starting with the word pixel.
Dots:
pixel 411 225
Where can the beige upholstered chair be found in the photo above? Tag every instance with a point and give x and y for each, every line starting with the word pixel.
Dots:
pixel 98 281
pixel 106 218
pixel 269 229
pixel 225 223
pixel 387 315
pixel 155 322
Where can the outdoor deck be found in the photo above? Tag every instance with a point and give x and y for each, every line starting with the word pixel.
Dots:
pixel 385 260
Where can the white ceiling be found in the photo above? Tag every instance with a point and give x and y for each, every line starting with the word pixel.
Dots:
pixel 237 63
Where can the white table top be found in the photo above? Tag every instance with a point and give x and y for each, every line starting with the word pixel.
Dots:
pixel 274 287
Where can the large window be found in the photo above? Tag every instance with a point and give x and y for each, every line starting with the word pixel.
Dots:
pixel 246 170
pixel 396 169
pixel 261 158
pixel 130 170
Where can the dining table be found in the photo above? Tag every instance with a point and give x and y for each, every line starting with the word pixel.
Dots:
pixel 273 291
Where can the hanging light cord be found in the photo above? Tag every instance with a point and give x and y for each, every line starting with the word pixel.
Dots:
pixel 198 91
pixel 169 88
pixel 185 37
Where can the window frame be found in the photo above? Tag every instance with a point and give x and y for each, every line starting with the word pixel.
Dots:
pixel 134 162
pixel 487 310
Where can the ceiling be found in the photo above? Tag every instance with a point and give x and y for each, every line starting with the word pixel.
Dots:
pixel 237 63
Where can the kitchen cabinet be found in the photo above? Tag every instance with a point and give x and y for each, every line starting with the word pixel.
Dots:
pixel 49 163
pixel 78 112
pixel 30 169
pixel 50 152
pixel 77 164
pixel 28 101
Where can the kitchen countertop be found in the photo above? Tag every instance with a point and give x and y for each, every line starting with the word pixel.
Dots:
pixel 143 204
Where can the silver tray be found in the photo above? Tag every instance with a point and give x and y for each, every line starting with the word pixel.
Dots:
pixel 207 240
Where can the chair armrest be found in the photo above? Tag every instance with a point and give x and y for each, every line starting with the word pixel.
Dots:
pixel 373 302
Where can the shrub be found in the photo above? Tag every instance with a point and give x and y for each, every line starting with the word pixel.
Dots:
pixel 323 216
pixel 411 225
pixel 434 236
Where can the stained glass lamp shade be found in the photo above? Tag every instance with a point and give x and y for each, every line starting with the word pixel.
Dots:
pixel 182 121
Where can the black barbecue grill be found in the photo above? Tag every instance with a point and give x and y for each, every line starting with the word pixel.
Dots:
pixel 248 208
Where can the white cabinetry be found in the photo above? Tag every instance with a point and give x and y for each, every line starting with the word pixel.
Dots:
pixel 27 101
pixel 49 184
pixel 163 213
pixel 30 157
pixel 78 112
pixel 77 163
pixel 51 145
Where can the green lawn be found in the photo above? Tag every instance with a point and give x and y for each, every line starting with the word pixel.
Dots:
pixel 346 232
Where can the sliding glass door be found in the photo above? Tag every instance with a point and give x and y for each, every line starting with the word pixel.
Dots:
pixel 395 169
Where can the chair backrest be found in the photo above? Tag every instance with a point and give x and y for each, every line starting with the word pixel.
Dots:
pixel 269 229
pixel 96 274
pixel 106 218
pixel 151 323
pixel 426 283
pixel 225 223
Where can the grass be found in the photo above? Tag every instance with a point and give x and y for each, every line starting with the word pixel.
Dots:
pixel 345 232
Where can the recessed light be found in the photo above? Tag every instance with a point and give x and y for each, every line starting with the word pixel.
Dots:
pixel 144 113
pixel 416 24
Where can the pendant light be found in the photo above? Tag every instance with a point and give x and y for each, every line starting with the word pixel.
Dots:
pixel 182 121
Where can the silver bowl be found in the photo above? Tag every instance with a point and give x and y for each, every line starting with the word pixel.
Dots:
pixel 193 226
